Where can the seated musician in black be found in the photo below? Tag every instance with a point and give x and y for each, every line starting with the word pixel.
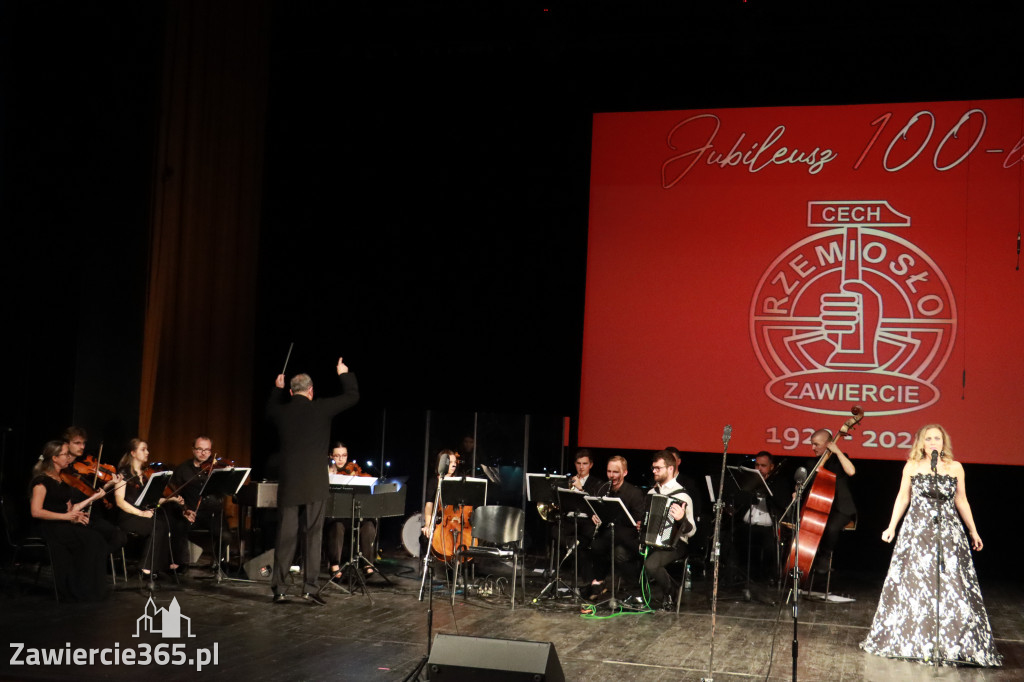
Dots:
pixel 201 511
pixel 433 483
pixel 679 519
pixel 166 532
pixel 590 485
pixel 99 520
pixel 336 530
pixel 843 508
pixel 626 540
pixel 78 552
pixel 760 517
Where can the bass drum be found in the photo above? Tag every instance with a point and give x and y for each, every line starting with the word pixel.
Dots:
pixel 412 533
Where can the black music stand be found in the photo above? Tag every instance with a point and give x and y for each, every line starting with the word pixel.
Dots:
pixel 224 482
pixel 382 499
pixel 574 502
pixel 460 492
pixel 751 484
pixel 149 498
pixel 540 489
pixel 611 510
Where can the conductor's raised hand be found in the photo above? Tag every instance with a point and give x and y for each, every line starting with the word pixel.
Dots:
pixel 342 367
pixel 279 381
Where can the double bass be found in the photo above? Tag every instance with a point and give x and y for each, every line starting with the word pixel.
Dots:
pixel 817 506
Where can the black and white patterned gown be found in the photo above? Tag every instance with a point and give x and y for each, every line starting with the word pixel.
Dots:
pixel 905 620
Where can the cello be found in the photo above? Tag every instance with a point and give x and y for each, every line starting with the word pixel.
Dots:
pixel 816 508
pixel 452 531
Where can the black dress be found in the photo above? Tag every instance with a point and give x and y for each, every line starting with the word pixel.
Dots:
pixel 79 553
pixel 904 624
pixel 156 554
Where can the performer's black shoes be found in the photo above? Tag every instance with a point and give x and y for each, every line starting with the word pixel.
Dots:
pixel 314 598
pixel 280 598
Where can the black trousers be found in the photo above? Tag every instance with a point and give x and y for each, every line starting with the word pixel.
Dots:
pixel 656 565
pixel 337 539
pixel 627 556
pixel 287 541
pixel 155 552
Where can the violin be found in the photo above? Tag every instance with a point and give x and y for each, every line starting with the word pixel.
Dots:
pixel 80 485
pixel 88 466
pixel 353 469
pixel 814 515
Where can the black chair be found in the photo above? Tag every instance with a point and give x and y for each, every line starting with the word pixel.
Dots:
pixel 21 543
pixel 696 557
pixel 501 528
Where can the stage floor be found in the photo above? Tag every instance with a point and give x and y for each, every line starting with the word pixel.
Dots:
pixel 382 635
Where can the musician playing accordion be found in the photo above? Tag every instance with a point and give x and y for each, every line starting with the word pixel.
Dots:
pixel 670 526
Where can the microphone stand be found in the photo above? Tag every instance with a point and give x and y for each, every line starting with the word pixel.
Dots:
pixel 726 436
pixel 428 567
pixel 795 575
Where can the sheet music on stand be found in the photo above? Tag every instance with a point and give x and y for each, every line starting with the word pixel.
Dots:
pixel 610 510
pixel 226 482
pixel 541 487
pixel 464 490
pixel 749 480
pixel 153 490
pixel 352 481
pixel 574 502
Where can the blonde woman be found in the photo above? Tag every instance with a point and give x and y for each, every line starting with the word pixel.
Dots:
pixel 904 624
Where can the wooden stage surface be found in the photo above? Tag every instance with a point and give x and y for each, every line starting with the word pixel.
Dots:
pixel 383 634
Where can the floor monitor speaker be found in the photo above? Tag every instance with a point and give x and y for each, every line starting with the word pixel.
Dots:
pixel 453 657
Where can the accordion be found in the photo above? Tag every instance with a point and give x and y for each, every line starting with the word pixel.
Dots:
pixel 663 532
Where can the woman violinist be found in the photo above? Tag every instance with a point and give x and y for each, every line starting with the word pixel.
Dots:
pixel 336 529
pixel 132 519
pixel 79 553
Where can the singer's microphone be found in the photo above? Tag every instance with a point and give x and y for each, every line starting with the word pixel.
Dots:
pixel 935 460
pixel 800 475
pixel 442 464
pixel 727 434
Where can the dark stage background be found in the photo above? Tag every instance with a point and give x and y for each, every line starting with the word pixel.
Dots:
pixel 424 205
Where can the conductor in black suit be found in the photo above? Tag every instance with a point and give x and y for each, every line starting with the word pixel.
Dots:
pixel 304 430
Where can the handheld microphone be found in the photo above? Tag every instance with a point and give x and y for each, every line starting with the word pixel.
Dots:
pixel 935 460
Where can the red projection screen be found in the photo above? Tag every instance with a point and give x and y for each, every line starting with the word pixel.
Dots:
pixel 770 268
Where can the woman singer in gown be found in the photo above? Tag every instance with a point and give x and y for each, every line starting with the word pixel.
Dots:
pixel 904 624
pixel 79 553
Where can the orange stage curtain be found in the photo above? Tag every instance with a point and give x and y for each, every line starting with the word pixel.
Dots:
pixel 199 323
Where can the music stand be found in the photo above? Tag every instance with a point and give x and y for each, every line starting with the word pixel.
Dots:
pixel 540 489
pixel 750 482
pixel 463 491
pixel 459 492
pixel 573 503
pixel 610 510
pixel 149 498
pixel 224 482
pixel 383 499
